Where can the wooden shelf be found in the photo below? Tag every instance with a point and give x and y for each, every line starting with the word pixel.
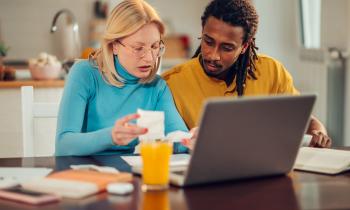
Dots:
pixel 34 83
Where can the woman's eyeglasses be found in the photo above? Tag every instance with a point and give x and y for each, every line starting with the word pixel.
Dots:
pixel 157 49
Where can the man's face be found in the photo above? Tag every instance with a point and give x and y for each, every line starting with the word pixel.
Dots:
pixel 221 45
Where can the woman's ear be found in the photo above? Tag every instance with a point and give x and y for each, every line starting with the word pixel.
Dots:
pixel 115 48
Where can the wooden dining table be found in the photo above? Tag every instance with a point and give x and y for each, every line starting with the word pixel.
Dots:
pixel 296 190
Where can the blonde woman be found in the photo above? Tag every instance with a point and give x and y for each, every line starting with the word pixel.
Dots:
pixel 101 95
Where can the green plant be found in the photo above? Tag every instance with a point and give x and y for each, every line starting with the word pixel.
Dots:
pixel 3 49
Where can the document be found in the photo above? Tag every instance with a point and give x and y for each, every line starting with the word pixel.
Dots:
pixel 23 174
pixel 12 176
pixel 175 160
pixel 328 161
pixel 306 140
pixel 153 121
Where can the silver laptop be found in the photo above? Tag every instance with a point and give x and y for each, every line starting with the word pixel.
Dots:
pixel 246 137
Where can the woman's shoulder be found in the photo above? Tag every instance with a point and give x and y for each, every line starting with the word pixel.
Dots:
pixel 82 67
pixel 83 71
pixel 159 81
pixel 157 84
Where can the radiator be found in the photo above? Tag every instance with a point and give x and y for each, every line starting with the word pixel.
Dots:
pixel 336 70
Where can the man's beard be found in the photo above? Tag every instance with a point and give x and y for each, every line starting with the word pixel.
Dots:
pixel 220 73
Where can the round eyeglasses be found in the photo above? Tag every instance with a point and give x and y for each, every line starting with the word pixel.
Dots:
pixel 156 49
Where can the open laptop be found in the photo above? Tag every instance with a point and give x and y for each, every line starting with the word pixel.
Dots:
pixel 245 138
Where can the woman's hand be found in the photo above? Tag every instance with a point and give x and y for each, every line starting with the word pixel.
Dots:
pixel 189 143
pixel 320 139
pixel 124 132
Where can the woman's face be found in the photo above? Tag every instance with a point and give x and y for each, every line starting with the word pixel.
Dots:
pixel 138 52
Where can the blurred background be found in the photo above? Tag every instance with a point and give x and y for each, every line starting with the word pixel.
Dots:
pixel 310 37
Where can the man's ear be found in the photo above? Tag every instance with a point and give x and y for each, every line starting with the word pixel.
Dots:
pixel 115 48
pixel 245 47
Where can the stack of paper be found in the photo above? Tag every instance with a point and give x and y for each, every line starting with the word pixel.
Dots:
pixel 329 161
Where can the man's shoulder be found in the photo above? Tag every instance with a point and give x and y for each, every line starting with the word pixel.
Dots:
pixel 181 69
pixel 264 59
pixel 267 63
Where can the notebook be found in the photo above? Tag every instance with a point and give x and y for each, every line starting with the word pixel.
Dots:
pixel 328 161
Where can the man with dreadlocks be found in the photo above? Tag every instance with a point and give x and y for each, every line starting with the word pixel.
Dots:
pixel 226 64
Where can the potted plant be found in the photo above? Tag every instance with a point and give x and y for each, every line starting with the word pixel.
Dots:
pixel 3 52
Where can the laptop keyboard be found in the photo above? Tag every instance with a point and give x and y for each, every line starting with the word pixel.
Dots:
pixel 179 172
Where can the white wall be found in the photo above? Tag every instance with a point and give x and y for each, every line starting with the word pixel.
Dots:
pixel 278 30
pixel 25 24
pixel 334 32
pixel 182 16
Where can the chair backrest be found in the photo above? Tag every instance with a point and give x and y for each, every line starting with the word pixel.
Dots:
pixel 30 111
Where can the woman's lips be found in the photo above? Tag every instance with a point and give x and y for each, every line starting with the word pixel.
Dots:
pixel 144 68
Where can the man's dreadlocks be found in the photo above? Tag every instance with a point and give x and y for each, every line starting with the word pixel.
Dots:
pixel 243 14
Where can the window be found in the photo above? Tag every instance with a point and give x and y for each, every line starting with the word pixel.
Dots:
pixel 310 22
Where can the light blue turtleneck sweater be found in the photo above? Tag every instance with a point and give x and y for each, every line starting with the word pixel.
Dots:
pixel 90 106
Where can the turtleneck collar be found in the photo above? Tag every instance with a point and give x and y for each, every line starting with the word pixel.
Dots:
pixel 129 79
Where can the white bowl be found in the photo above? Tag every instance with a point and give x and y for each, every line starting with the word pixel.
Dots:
pixel 45 72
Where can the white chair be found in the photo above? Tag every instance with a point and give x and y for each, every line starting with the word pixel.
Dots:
pixel 30 111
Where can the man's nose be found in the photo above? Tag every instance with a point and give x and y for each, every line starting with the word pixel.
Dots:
pixel 214 54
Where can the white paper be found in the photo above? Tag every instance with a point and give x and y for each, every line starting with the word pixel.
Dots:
pixel 103 169
pixel 137 149
pixel 322 160
pixel 177 136
pixel 175 160
pixel 154 122
pixel 306 140
pixel 23 174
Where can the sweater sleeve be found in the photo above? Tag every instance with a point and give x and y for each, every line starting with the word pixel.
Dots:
pixel 173 120
pixel 71 138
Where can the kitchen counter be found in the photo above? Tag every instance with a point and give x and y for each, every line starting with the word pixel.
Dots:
pixel 34 83
pixel 23 77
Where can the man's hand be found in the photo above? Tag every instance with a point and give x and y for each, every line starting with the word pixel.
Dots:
pixel 320 139
pixel 319 134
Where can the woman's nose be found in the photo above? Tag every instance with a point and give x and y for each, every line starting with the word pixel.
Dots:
pixel 149 57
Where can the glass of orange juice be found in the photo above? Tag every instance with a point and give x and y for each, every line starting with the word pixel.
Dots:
pixel 155 170
pixel 156 200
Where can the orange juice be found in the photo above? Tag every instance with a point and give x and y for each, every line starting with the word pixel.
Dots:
pixel 156 200
pixel 156 157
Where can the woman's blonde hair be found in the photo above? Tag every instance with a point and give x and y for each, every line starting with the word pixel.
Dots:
pixel 125 19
